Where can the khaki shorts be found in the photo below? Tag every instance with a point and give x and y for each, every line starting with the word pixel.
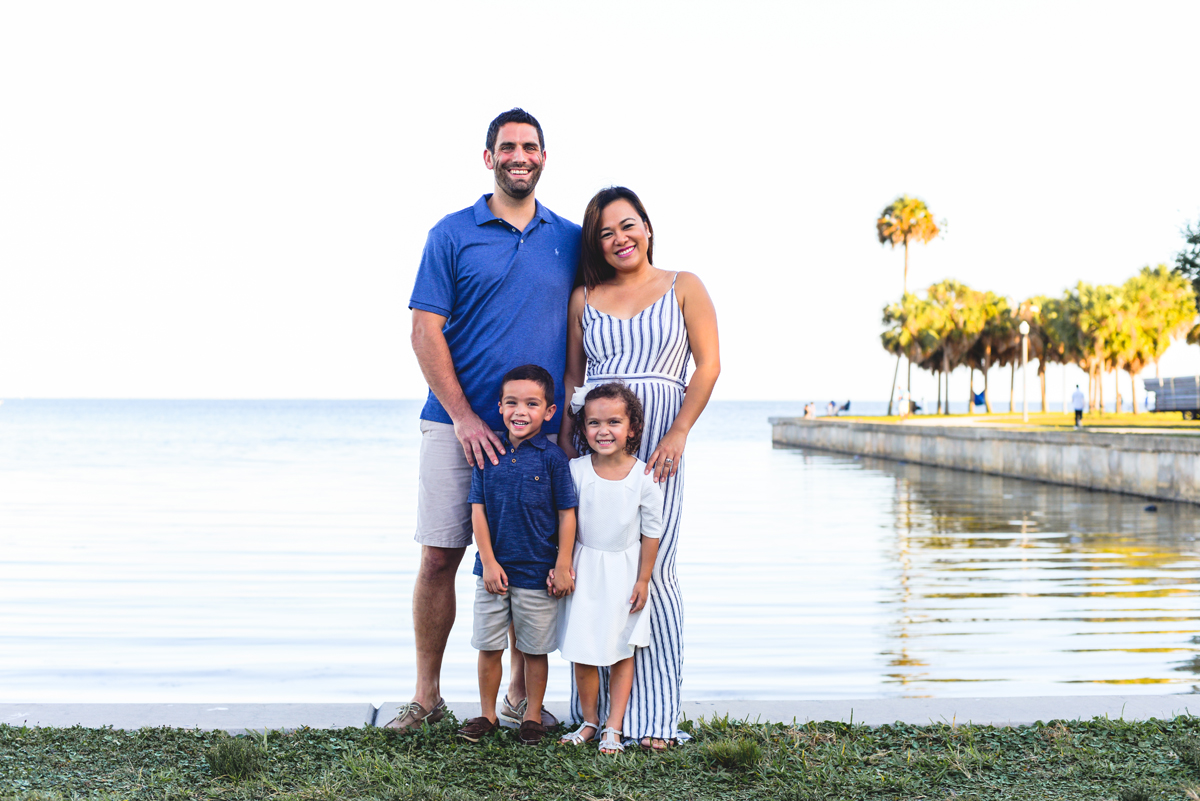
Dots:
pixel 533 613
pixel 444 482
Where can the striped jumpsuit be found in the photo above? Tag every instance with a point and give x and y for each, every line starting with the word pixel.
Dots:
pixel 650 353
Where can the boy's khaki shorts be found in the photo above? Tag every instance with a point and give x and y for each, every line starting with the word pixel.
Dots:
pixel 534 615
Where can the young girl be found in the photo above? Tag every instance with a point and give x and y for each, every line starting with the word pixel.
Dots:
pixel 619 523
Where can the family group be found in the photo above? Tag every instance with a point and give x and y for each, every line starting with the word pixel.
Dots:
pixel 575 516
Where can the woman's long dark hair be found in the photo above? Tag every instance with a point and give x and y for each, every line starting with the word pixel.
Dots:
pixel 593 269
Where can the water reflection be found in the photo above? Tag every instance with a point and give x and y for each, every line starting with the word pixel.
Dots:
pixel 1091 585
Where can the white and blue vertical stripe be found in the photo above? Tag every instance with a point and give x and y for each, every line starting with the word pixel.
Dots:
pixel 650 353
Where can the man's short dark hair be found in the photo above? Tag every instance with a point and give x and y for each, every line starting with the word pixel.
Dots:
pixel 513 115
pixel 530 372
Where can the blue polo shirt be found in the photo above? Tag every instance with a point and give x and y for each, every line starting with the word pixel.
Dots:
pixel 504 293
pixel 522 496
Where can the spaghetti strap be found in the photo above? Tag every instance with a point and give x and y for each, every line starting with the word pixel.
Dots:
pixel 674 279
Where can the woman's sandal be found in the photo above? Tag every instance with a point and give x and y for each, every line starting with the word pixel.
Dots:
pixel 576 737
pixel 611 745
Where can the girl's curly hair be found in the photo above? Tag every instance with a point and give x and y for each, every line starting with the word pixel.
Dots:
pixel 633 410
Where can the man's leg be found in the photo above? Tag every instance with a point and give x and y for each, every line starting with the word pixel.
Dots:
pixel 444 532
pixel 433 617
pixel 516 671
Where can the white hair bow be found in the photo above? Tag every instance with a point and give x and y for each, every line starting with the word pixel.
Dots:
pixel 578 396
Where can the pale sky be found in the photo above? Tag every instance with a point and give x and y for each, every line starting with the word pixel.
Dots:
pixel 229 199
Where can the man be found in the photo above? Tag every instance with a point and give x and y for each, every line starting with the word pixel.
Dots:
pixel 491 293
pixel 1078 402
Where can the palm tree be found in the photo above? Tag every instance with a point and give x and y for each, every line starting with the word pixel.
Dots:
pixel 906 219
pixel 997 332
pixel 1097 318
pixel 961 320
pixel 1158 305
pixel 910 332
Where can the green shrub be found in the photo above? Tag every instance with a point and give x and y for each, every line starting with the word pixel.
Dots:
pixel 731 754
pixel 236 758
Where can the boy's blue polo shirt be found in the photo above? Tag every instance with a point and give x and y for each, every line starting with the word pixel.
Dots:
pixel 522 496
pixel 504 293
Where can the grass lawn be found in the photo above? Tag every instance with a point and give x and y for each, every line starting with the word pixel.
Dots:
pixel 1100 759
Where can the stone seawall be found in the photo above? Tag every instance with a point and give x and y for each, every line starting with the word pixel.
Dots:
pixel 1165 467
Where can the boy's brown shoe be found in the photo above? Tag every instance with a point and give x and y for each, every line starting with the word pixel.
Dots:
pixel 477 728
pixel 531 732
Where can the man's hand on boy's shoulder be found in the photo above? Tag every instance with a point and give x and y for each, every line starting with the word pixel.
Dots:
pixel 495 580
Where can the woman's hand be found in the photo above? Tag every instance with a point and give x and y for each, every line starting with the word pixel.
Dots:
pixel 641 594
pixel 666 457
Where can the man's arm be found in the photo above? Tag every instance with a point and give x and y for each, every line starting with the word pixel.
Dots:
pixel 433 354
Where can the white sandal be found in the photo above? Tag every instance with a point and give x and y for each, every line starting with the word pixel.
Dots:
pixel 576 737
pixel 613 744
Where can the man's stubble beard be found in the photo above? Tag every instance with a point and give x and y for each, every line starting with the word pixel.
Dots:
pixel 506 183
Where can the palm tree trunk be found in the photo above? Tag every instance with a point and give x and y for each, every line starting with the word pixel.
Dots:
pixel 987 366
pixel 892 394
pixel 971 392
pixel 939 382
pixel 946 370
pixel 1042 378
pixel 1012 387
pixel 1133 390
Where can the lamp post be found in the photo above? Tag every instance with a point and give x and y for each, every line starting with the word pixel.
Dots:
pixel 1024 329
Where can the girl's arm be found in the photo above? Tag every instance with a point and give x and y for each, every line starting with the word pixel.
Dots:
pixel 576 368
pixel 700 318
pixel 650 509
pixel 641 589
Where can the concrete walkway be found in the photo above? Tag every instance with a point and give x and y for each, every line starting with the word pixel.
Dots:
pixel 240 718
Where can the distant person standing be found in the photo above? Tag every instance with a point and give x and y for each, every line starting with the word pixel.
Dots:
pixel 1078 402
pixel 491 294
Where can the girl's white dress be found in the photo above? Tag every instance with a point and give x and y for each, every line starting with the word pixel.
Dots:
pixel 594 624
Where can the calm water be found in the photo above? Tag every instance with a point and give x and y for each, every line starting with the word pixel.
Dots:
pixel 262 551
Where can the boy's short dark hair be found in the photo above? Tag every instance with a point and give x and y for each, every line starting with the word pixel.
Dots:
pixel 513 115
pixel 530 372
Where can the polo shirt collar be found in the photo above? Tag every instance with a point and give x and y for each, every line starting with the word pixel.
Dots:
pixel 484 215
pixel 538 441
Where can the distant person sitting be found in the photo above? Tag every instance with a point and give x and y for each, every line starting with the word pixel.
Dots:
pixel 831 408
pixel 810 411
pixel 844 407
pixel 1078 402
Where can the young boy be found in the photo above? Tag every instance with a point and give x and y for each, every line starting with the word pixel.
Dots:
pixel 523 515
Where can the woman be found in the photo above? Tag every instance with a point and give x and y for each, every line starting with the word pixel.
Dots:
pixel 634 322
